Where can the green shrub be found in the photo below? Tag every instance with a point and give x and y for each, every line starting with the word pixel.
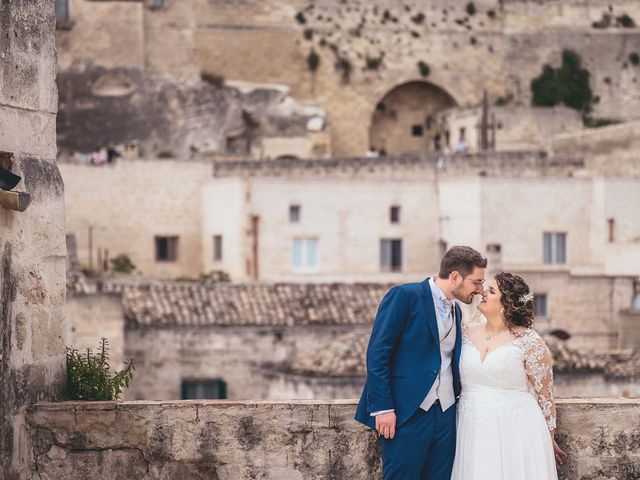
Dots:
pixel 424 69
pixel 471 8
pixel 215 276
pixel 212 79
pixel 626 21
pixel 373 63
pixel 122 263
pixel 300 18
pixel 593 122
pixel 568 85
pixel 89 376
pixel 634 58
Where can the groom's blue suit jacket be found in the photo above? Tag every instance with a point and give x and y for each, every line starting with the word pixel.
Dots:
pixel 403 356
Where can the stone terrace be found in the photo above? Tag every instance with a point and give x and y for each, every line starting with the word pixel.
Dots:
pixel 167 305
pixel 297 440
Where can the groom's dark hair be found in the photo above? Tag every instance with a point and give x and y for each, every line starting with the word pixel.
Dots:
pixel 462 260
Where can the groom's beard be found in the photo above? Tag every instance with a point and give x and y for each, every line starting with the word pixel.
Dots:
pixel 458 294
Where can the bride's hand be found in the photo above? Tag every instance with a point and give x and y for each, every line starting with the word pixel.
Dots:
pixel 557 451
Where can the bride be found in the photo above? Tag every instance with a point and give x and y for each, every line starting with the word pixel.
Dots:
pixel 506 413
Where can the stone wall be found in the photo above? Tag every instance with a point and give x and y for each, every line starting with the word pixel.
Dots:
pixel 592 308
pixel 459 199
pixel 365 50
pixel 32 243
pixel 130 203
pixel 368 49
pixel 614 146
pixel 89 318
pixel 166 357
pixel 278 440
pixel 514 128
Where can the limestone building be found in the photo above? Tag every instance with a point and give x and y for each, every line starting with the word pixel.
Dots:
pixel 32 248
pixel 570 230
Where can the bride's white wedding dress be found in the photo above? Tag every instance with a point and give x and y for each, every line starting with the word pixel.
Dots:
pixel 505 412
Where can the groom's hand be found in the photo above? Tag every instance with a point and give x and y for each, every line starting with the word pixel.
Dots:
pixel 386 424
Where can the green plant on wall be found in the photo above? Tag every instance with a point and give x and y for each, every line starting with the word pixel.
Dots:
pixel 212 79
pixel 626 21
pixel 568 85
pixel 313 60
pixel 373 63
pixel 300 18
pixel 593 122
pixel 424 69
pixel 89 375
pixel 122 263
pixel 471 8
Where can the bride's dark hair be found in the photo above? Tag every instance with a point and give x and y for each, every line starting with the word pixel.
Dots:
pixel 516 300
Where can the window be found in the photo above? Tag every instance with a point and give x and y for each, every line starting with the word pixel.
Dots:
pixel 555 247
pixel 394 214
pixel 417 130
pixel 217 248
pixel 391 255
pixel 494 248
pixel 305 253
pixel 201 389
pixel 166 249
pixel 294 213
pixel 540 304
pixel 62 11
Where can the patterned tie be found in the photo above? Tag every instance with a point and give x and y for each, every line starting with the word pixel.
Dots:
pixel 447 315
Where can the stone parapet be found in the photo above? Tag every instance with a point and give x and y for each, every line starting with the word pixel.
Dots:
pixel 279 440
pixel 509 164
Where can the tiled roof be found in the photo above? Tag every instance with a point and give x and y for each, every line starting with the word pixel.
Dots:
pixel 180 304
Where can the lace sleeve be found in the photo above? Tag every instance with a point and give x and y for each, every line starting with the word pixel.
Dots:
pixel 539 367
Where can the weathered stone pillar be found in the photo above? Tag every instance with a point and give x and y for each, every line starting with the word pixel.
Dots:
pixel 32 247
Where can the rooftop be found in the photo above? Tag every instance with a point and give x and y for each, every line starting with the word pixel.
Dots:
pixel 157 304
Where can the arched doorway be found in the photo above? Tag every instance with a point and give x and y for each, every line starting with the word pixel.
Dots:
pixel 404 121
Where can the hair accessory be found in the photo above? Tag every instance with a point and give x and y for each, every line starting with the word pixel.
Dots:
pixel 526 298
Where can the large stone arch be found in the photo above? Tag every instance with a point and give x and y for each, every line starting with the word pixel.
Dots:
pixel 403 121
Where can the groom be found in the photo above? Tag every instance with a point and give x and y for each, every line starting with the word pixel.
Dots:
pixel 412 369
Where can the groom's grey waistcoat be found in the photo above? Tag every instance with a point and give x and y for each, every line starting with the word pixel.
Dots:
pixel 442 388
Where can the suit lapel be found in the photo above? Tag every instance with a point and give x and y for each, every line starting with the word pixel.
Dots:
pixel 458 345
pixel 430 310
